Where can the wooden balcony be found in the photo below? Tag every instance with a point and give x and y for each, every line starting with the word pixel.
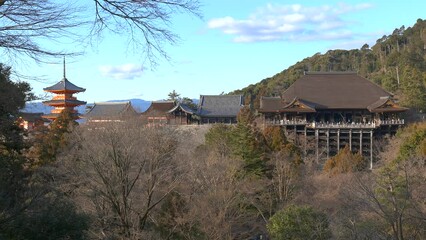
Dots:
pixel 338 125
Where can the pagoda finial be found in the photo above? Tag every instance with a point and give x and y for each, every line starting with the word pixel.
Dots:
pixel 64 67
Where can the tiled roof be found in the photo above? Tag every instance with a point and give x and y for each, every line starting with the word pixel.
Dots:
pixel 343 90
pixel 111 110
pixel 385 104
pixel 68 102
pixel 64 84
pixel 183 107
pixel 270 104
pixel 159 108
pixel 275 104
pixel 299 105
pixel 220 105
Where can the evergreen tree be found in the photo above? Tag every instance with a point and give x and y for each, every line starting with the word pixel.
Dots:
pixel 414 89
pixel 219 139
pixel 299 223
pixel 249 144
pixel 55 138
pixel 173 96
pixel 12 98
pixel 188 102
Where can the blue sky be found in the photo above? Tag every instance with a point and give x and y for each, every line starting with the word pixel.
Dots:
pixel 237 43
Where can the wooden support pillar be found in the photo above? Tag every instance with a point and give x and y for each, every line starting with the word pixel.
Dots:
pixel 371 149
pixel 350 139
pixel 317 143
pixel 305 142
pixel 296 139
pixel 328 143
pixel 338 140
pixel 360 142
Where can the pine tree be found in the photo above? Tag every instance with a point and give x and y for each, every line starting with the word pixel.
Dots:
pixel 249 144
pixel 414 89
pixel 55 138
pixel 174 96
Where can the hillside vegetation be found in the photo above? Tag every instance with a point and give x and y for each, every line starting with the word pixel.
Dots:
pixel 397 62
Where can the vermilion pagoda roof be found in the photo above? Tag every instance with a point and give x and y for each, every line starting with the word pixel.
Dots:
pixel 54 116
pixel 66 102
pixel 64 85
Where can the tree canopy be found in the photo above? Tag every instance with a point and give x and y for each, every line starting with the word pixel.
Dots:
pixel 295 222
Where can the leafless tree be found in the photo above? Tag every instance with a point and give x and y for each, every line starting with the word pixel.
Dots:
pixel 120 174
pixel 285 176
pixel 216 199
pixel 389 202
pixel 27 25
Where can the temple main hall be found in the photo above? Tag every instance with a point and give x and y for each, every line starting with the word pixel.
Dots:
pixel 325 111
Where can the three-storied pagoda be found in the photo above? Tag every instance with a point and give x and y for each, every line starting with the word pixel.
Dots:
pixel 63 98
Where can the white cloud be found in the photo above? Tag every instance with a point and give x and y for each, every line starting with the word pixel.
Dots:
pixel 290 23
pixel 126 71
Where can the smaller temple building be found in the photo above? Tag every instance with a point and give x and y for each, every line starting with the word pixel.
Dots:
pixel 158 113
pixel 63 98
pixel 169 113
pixel 182 114
pixel 210 109
pixel 102 112
pixel 219 108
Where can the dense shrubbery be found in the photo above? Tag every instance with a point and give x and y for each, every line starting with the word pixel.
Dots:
pixel 414 144
pixel 345 161
pixel 299 222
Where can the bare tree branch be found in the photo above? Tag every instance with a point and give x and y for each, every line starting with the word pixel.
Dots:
pixel 27 25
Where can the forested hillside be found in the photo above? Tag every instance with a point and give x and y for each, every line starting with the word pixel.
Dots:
pixel 397 62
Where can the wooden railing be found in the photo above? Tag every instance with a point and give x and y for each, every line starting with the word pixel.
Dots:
pixel 392 122
pixel 320 125
pixel 286 122
pixel 352 125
